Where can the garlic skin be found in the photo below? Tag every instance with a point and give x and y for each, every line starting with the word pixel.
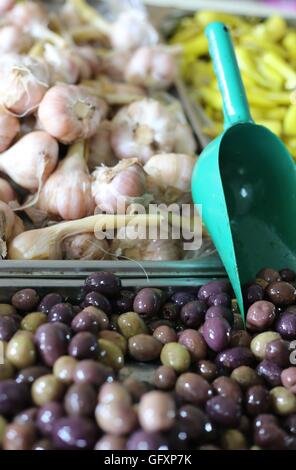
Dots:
pixel 9 129
pixel 114 63
pixel 23 83
pixel 7 193
pixel 84 247
pixel 31 160
pixel 142 129
pixel 146 250
pixel 24 14
pixel 70 113
pixel 67 192
pixel 131 30
pixel 116 188
pixel 90 56
pixel 100 150
pixel 10 225
pixel 62 66
pixel 171 170
pixel 14 39
pixel 152 67
pixel 6 5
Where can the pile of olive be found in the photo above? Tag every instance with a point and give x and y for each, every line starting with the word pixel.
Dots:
pixel 65 380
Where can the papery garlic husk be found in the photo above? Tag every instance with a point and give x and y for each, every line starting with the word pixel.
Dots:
pixel 169 175
pixel 46 243
pixel 142 129
pixel 70 113
pixel 115 93
pixel 9 129
pixel 6 5
pixel 89 54
pixel 24 14
pixel 114 63
pixel 67 192
pixel 117 189
pixel 185 141
pixel 31 160
pixel 146 250
pixel 131 30
pixel 10 225
pixel 84 247
pixel 7 193
pixel 63 67
pixel 151 67
pixel 14 39
pixel 23 83
pixel 100 150
pixel 28 124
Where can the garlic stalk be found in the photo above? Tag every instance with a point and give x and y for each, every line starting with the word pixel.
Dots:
pixel 70 113
pixel 100 150
pixel 152 67
pixel 31 160
pixel 142 129
pixel 7 193
pixel 117 189
pixel 115 93
pixel 23 83
pixel 130 31
pixel 9 129
pixel 10 225
pixel 84 247
pixel 46 243
pixel 67 192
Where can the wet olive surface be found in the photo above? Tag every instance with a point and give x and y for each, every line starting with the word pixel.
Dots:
pixel 150 369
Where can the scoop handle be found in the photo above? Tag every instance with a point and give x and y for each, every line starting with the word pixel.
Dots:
pixel 235 104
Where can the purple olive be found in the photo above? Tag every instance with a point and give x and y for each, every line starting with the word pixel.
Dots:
pixel 99 301
pixel 170 311
pixel 286 325
pixel 224 411
pixel 74 433
pixel 222 298
pixel 30 374
pixel 8 326
pixel 124 303
pixel 92 372
pixel 142 440
pixel 216 332
pixel 258 400
pixel 253 293
pixel 86 321
pixel 182 298
pixel 62 312
pixel 270 372
pixel 235 357
pixel 84 345
pixel 14 397
pixel 287 275
pixel 193 313
pixel 47 415
pixel 147 302
pixel 105 283
pixel 48 302
pixel 25 300
pixel 220 311
pixel 277 351
pixel 214 287
pixel 52 341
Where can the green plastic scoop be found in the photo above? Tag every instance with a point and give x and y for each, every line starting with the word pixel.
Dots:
pixel 245 181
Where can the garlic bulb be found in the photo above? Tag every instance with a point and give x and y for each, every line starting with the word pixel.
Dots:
pixel 152 67
pixel 115 93
pixel 114 63
pixel 131 30
pixel 114 189
pixel 7 193
pixel 31 160
pixel 23 14
pixel 69 113
pixel 62 65
pixel 14 39
pixel 145 250
pixel 142 129
pixel 10 224
pixel 100 150
pixel 171 169
pixel 67 192
pixel 9 129
pixel 90 56
pixel 6 5
pixel 84 247
pixel 23 83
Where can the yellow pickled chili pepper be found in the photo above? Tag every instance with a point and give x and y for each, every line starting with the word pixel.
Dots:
pixel 289 42
pixel 203 18
pixel 196 47
pixel 289 124
pixel 248 67
pixel 273 79
pixel 270 58
pixel 211 97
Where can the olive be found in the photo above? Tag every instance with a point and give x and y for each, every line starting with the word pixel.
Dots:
pixel 84 345
pixel 227 387
pixel 110 354
pixel 74 433
pixel 156 411
pixel 8 327
pixel 281 293
pixel 64 368
pixel 32 321
pixel 3 424
pixel 193 313
pixel 62 312
pixel 258 400
pixel 287 275
pixel 224 411
pixel 142 440
pixel 7 309
pixel 45 389
pixel 97 300
pixel 207 369
pixel 253 293
pixel 47 415
pixel 165 378
pixel 216 332
pixel 176 356
pixel 30 374
pixel 165 334
pixel 25 300
pixel 43 444
pixel 6 370
pixel 235 357
pixel 192 388
pixel 26 416
pixel 182 298
pixel 14 397
pixel 124 303
pixel 105 283
pixel 147 302
pixel 286 325
pixel 116 418
pixel 92 372
pixel 270 372
pixel 80 400
pixel 278 351
pixel 232 439
pixel 116 338
pixel 240 338
pixel 219 311
pixel 261 315
pixel 131 324
pixel 221 299
pixel 170 311
pixel 193 341
pixel 271 437
pixel 21 350
pixel 144 347
pixel 245 376
pixel 259 343
pixel 52 341
pixel 85 321
pixel 109 442
pixel 288 378
pixel 269 275
pixel 135 387
pixel 214 287
pixel 283 401
pixel 19 436
pixel 48 302
pixel 114 392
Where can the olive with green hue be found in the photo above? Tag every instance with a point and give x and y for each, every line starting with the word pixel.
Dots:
pixel 176 356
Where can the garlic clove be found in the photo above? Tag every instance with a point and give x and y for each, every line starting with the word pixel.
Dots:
pixel 14 39
pixel 85 247
pixel 100 150
pixel 9 129
pixel 7 193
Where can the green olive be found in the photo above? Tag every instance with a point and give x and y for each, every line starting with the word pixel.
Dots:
pixel 115 338
pixel 131 324
pixel 45 389
pixel 176 356
pixel 110 354
pixel 21 350
pixel 259 343
pixel 33 320
pixel 3 424
pixel 232 439
pixel 245 376
pixel 6 370
pixel 7 309
pixel 283 401
pixel 64 368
